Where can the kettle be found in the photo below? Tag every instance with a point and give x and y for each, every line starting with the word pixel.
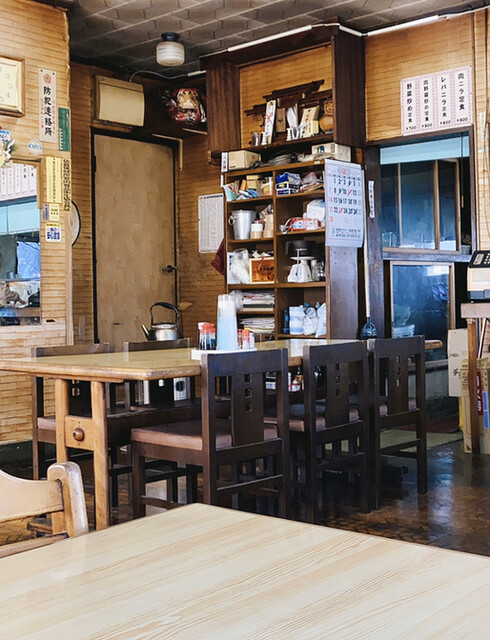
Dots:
pixel 163 330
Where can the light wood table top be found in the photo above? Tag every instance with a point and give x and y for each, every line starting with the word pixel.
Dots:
pixel 137 365
pixel 206 573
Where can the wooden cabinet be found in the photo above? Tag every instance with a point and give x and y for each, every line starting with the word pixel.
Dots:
pixel 338 289
pixel 346 75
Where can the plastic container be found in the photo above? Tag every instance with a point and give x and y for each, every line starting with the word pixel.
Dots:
pixel 296 316
pixel 227 324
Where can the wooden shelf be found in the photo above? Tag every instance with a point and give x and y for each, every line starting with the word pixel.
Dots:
pixel 246 201
pixel 279 168
pixel 301 285
pixel 250 240
pixel 253 285
pixel 263 312
pixel 291 144
pixel 303 194
pixel 297 232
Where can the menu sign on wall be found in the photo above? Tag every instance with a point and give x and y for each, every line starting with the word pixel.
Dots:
pixel 344 203
pixel 437 101
pixel 48 112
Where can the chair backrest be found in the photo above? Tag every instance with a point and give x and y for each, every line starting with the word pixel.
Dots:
pixel 80 390
pixel 335 380
pixel 61 495
pixel 246 380
pixel 154 345
pixel 393 360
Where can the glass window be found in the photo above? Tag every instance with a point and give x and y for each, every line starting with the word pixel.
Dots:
pixel 417 205
pixel 421 185
pixel 421 302
pixel 20 248
pixel 448 199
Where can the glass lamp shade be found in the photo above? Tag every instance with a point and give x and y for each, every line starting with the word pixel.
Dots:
pixel 170 53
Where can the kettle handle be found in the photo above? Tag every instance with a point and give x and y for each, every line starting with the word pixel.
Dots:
pixel 172 307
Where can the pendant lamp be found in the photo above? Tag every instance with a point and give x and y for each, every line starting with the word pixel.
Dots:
pixel 170 52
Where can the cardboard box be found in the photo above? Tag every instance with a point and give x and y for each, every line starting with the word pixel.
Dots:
pixel 483 389
pixel 241 159
pixel 333 150
pixel 262 270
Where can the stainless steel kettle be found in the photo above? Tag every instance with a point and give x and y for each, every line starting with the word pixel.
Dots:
pixel 163 330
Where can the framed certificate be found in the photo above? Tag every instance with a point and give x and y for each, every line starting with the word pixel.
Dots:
pixel 11 86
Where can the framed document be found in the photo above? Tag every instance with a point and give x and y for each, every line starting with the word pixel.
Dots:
pixel 11 86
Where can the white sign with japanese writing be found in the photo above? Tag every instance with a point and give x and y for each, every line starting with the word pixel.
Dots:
pixel 211 228
pixel 48 111
pixel 437 101
pixel 344 202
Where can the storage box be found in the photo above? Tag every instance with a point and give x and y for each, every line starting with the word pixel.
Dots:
pixel 333 150
pixel 262 270
pixel 242 159
pixel 483 380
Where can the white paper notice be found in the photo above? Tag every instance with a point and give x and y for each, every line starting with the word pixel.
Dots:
pixel 48 111
pixel 211 213
pixel 437 101
pixel 344 202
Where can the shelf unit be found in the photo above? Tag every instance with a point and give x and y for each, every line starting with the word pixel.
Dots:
pixel 339 290
pixel 228 130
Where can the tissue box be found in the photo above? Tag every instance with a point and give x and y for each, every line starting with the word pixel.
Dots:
pixel 242 159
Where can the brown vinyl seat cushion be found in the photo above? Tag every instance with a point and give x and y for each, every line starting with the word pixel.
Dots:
pixel 188 435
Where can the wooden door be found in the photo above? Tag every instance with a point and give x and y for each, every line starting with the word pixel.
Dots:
pixel 134 236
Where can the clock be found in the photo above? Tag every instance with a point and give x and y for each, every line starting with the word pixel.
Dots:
pixel 74 223
pixel 11 86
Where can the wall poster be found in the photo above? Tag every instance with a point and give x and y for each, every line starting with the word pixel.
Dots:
pixel 344 202
pixel 437 101
pixel 211 229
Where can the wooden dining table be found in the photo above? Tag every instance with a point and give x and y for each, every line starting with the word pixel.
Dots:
pixel 201 572
pixel 90 433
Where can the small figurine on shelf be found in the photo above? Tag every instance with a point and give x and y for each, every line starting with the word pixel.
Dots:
pixel 326 119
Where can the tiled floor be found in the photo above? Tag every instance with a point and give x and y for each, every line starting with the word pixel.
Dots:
pixel 453 514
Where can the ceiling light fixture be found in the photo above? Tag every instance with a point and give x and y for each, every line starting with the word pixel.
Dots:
pixel 170 52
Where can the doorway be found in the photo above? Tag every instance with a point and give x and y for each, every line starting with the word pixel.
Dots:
pixel 134 233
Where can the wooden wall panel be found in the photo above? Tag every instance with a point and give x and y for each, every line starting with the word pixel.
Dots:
pixel 259 79
pixel 481 27
pixel 198 283
pixel 390 57
pixel 24 33
pixel 81 90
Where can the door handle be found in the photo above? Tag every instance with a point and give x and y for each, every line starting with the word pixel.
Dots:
pixel 169 268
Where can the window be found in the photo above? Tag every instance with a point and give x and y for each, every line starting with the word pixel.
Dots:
pixel 421 296
pixel 423 187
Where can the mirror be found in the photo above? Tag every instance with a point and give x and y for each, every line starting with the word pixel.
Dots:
pixel 20 248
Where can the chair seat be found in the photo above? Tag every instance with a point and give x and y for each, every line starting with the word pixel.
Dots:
pixel 383 407
pixel 296 418
pixel 188 435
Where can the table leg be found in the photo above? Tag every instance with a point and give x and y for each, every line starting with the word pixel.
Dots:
pixel 472 390
pixel 101 455
pixel 61 390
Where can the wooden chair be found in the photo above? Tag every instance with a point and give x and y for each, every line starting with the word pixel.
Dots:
pixel 161 397
pixel 397 400
pixel 61 495
pixel 44 426
pixel 224 447
pixel 331 429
